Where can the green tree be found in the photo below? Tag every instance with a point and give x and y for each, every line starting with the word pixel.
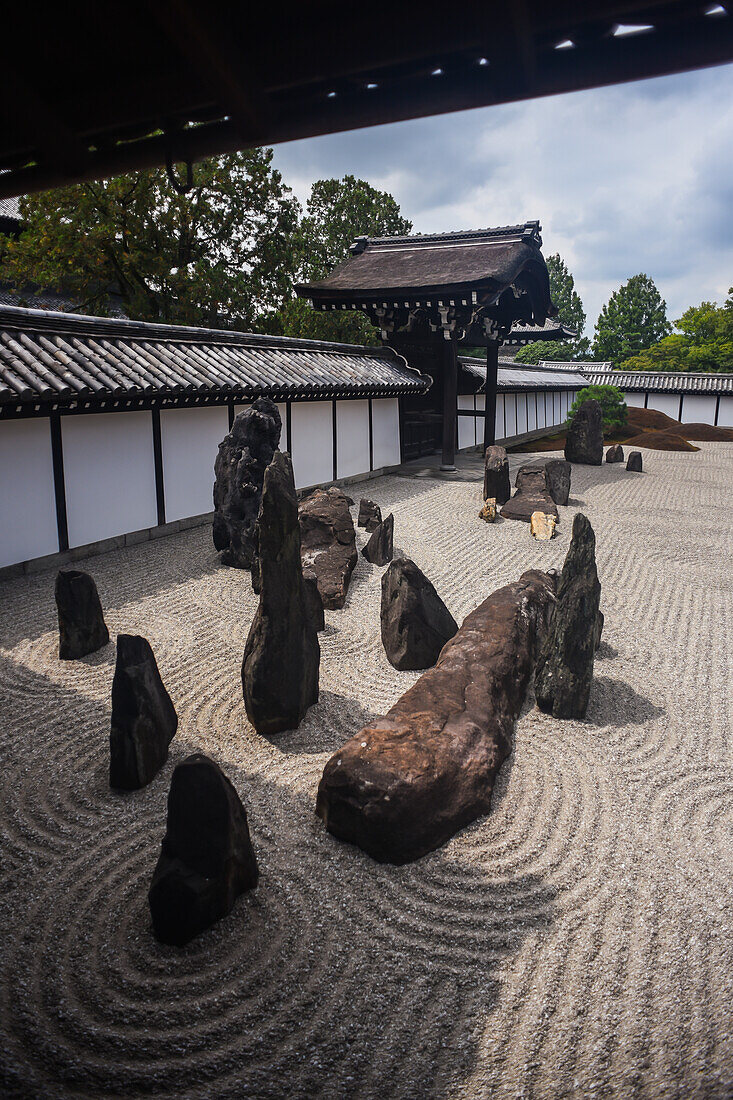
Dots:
pixel 704 342
pixel 615 410
pixel 634 318
pixel 570 312
pixel 337 212
pixel 219 254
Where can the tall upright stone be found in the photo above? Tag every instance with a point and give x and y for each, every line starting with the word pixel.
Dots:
pixel 282 655
pixel 144 720
pixel 239 470
pixel 207 858
pixel 584 441
pixel 496 475
pixel 557 473
pixel 82 628
pixel 564 672
pixel 379 549
pixel 634 462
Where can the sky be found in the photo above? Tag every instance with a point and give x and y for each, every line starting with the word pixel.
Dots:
pixel 636 177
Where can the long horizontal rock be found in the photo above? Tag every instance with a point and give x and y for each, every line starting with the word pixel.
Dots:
pixel 406 783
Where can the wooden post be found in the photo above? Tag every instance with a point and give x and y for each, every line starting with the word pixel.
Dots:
pixel 450 404
pixel 492 367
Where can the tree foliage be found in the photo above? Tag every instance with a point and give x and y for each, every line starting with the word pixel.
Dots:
pixel 634 318
pixel 219 254
pixel 570 312
pixel 613 405
pixel 704 342
pixel 337 212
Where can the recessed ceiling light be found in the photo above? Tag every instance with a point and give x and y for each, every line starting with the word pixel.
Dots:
pixel 623 30
pixel 437 72
pixel 715 9
pixel 483 61
pixel 331 95
pixel 370 86
pixel 566 44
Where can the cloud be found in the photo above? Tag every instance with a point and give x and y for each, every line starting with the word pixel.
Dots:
pixel 637 177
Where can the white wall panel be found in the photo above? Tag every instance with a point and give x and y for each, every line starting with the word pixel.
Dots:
pixel 521 413
pixel 544 409
pixel 466 424
pixel 510 408
pixel 312 442
pixel 352 437
pixel 698 409
pixel 634 400
pixel 557 416
pixel 109 474
pixel 668 403
pixel 386 431
pixel 190 441
pixel 532 409
pixel 27 501
pixel 725 412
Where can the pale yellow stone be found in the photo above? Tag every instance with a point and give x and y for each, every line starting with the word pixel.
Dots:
pixel 488 512
pixel 542 526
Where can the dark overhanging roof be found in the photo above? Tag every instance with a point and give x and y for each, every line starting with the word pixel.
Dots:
pixel 473 285
pixel 94 95
pixel 78 363
pixel 552 329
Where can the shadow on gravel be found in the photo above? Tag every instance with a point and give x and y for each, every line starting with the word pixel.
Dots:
pixel 615 703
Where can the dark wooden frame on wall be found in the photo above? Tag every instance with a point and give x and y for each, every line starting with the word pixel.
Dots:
pixel 59 486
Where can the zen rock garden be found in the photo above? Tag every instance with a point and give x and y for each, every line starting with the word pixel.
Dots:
pixel 408 780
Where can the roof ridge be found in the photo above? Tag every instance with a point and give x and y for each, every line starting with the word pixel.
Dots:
pixel 529 228
pixel 127 329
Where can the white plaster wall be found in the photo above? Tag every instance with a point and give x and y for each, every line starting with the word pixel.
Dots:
pixel 352 438
pixel 668 403
pixel 634 400
pixel 511 414
pixel 521 413
pixel 532 409
pixel 27 500
pixel 557 416
pixel 386 431
pixel 698 409
pixel 466 424
pixel 312 442
pixel 109 474
pixel 725 413
pixel 544 409
pixel 190 440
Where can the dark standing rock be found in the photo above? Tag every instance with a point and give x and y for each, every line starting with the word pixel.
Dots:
pixel 282 655
pixel 416 624
pixel 313 601
pixel 496 475
pixel 557 472
pixel 82 628
pixel 144 719
pixel 240 466
pixel 370 515
pixel 584 441
pixel 565 664
pixel 407 782
pixel 207 858
pixel 328 544
pixel 379 550
pixel 615 453
pixel 634 462
pixel 600 620
pixel 532 494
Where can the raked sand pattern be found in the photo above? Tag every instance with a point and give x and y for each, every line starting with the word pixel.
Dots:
pixel 578 941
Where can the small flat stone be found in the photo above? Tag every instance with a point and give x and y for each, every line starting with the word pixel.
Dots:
pixel 542 526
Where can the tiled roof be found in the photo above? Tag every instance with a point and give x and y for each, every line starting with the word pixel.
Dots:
pixel 66 359
pixel 33 298
pixel 552 329
pixel 598 365
pixel 10 208
pixel 515 376
pixel 664 381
